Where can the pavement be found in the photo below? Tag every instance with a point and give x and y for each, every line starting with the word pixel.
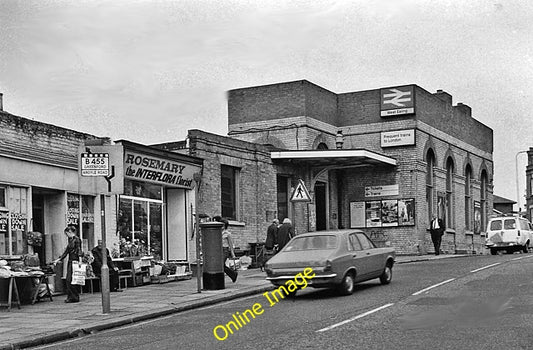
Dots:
pixel 51 321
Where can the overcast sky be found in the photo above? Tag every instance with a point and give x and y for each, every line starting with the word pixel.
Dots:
pixel 148 71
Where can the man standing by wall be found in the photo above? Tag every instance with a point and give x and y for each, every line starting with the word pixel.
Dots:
pixel 437 230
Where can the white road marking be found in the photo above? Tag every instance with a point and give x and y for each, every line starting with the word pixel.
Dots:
pixel 354 318
pixel 485 267
pixel 433 286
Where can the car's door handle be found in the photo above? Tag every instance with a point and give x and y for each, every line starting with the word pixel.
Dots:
pixel 355 255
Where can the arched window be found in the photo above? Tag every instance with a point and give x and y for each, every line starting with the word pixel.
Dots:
pixel 322 146
pixel 449 193
pixel 468 197
pixel 484 185
pixel 430 182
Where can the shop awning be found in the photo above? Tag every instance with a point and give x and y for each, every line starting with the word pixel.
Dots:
pixel 336 157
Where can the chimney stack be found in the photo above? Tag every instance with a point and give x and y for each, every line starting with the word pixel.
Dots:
pixel 444 96
pixel 465 109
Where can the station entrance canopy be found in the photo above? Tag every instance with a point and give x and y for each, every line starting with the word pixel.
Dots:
pixel 333 159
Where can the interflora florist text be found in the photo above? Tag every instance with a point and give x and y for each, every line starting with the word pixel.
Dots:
pixel 221 332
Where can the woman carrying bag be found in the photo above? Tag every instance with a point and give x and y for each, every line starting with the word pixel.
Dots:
pixel 73 251
pixel 228 250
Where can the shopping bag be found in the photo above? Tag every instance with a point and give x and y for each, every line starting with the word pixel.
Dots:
pixel 233 263
pixel 79 272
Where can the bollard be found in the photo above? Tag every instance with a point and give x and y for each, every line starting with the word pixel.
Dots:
pixel 213 269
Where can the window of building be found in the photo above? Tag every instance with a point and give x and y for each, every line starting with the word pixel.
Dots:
pixel 14 221
pixel 142 189
pixel 140 224
pixel 430 181
pixel 484 183
pixel 283 197
pixel 449 194
pixel 229 189
pixel 80 213
pixel 2 197
pixel 468 198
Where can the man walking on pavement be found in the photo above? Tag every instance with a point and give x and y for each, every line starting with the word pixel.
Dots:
pixel 436 230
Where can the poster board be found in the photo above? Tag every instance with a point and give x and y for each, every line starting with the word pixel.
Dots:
pixel 382 213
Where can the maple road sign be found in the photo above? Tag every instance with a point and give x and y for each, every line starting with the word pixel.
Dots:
pixel 397 101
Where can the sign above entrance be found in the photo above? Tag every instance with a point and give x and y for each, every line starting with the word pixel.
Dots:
pixel 300 193
pixel 397 101
pixel 168 172
pixel 378 191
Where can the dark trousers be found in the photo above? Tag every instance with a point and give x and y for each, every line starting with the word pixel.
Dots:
pixel 73 290
pixel 227 270
pixel 436 237
pixel 113 277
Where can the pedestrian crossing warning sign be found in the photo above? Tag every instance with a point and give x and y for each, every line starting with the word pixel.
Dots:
pixel 300 193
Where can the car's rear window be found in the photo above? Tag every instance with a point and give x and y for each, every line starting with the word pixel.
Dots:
pixel 509 224
pixel 495 225
pixel 312 243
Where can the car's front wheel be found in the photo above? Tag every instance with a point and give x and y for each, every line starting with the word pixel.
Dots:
pixel 493 251
pixel 525 248
pixel 347 285
pixel 386 276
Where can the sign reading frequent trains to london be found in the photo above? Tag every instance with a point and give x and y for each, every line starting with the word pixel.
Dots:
pixel 397 101
pixel 149 168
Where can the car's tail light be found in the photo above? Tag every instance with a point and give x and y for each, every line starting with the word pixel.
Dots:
pixel 328 265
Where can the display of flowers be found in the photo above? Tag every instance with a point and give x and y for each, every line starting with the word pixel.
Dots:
pixel 34 239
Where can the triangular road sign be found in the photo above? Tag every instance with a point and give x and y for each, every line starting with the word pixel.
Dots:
pixel 300 193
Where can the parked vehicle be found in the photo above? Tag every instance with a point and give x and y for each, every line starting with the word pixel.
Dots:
pixel 339 259
pixel 509 233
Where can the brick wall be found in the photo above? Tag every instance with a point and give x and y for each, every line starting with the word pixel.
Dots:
pixel 257 185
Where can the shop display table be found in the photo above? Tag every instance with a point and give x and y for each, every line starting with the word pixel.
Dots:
pixel 42 280
pixel 136 269
pixel 12 290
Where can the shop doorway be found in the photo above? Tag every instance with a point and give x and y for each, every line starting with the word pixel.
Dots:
pixel 176 224
pixel 38 224
pixel 320 202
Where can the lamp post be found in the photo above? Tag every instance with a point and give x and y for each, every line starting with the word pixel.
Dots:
pixel 517 182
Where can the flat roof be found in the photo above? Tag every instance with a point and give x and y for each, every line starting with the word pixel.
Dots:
pixel 334 157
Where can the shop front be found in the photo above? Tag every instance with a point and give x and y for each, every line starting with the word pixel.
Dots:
pixel 155 211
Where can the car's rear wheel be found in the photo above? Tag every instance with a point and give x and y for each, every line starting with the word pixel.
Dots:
pixel 493 251
pixel 293 293
pixel 386 276
pixel 525 248
pixel 347 285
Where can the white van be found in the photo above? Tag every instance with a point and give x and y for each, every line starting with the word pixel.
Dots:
pixel 509 233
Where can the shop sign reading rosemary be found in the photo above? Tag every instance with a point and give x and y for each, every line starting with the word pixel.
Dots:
pixel 158 170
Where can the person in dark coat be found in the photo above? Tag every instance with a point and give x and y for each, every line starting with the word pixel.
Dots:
pixel 73 252
pixel 285 233
pixel 97 266
pixel 271 243
pixel 272 235
pixel 436 230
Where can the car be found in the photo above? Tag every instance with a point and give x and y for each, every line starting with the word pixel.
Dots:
pixel 339 259
pixel 509 233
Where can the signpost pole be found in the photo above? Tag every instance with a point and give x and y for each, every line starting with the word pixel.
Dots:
pixel 106 300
